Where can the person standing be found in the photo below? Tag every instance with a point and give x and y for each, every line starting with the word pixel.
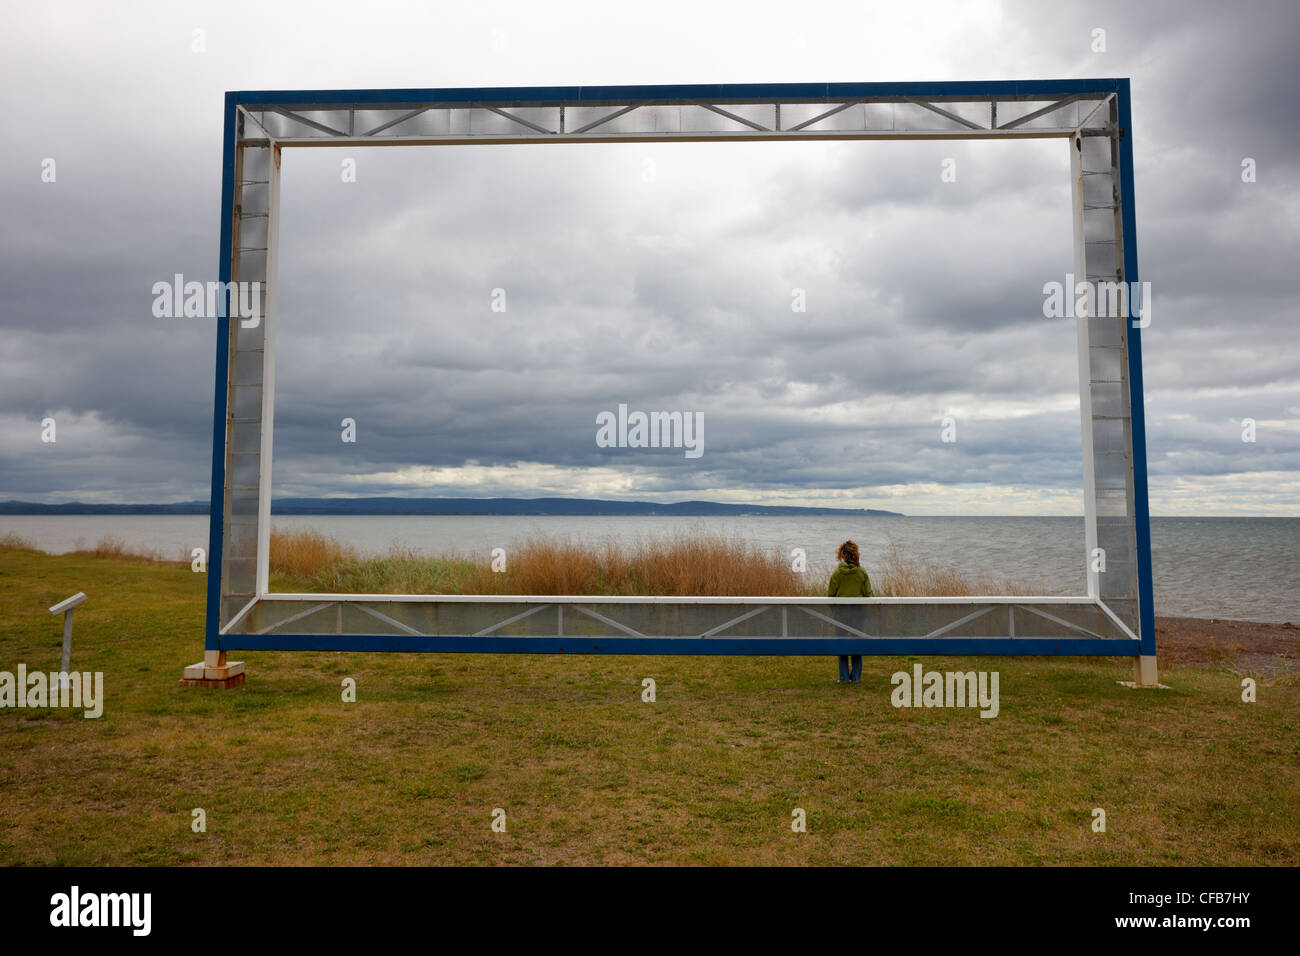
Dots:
pixel 848 580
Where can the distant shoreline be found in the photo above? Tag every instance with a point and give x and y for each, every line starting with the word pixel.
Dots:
pixel 477 507
pixel 432 507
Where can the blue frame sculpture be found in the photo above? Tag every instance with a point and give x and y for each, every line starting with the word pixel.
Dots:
pixel 1092 115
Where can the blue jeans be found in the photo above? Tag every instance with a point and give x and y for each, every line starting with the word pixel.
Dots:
pixel 854 675
pixel 849 616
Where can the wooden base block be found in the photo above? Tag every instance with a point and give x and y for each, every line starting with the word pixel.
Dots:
pixel 200 682
pixel 229 674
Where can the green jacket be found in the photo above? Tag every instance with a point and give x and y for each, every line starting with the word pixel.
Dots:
pixel 849 580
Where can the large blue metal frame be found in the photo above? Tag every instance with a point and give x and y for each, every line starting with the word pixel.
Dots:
pixel 1146 645
pixel 1141 507
pixel 217 506
pixel 771 646
pixel 723 92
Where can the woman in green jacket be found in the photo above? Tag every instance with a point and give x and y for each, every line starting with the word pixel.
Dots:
pixel 848 580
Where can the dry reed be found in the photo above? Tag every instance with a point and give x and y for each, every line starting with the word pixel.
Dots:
pixel 686 564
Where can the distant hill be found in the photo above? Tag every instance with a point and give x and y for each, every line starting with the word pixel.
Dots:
pixel 84 508
pixel 448 506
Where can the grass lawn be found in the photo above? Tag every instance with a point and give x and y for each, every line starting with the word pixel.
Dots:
pixel 587 773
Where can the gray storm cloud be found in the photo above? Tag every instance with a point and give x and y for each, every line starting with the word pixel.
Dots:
pixel 670 291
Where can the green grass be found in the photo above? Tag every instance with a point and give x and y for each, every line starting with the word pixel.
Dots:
pixel 587 773
pixel 390 574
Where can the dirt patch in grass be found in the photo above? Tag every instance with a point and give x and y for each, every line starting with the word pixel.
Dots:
pixel 1253 647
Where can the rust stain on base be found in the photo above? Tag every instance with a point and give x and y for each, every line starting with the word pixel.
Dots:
pixel 222 682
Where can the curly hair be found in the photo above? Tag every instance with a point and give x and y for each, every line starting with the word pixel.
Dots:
pixel 848 553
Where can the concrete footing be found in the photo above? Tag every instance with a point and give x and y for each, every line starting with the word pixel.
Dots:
pixel 1145 673
pixel 214 671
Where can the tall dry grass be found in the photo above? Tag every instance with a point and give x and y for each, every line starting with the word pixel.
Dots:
pixel 303 553
pixel 681 565
pixel 688 564
pixel 111 547
pixel 685 564
pixel 15 542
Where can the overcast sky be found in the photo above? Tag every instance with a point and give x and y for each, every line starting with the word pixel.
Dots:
pixel 664 291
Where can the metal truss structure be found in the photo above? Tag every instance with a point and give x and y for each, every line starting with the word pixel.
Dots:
pixel 1091 117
